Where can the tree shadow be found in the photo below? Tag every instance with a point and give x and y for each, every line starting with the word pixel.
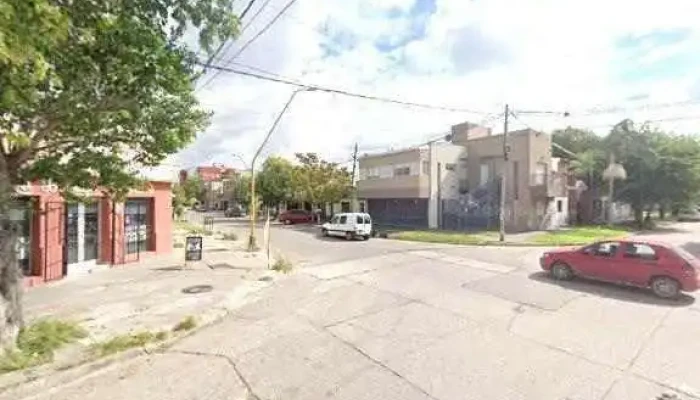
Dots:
pixel 613 291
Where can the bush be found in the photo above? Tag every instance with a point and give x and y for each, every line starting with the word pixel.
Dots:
pixel 186 324
pixel 37 343
pixel 282 265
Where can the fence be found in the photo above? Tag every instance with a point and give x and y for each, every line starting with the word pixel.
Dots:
pixel 478 209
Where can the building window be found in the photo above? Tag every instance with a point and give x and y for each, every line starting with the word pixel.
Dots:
pixel 483 174
pixel 450 167
pixel 402 170
pixel 560 206
pixel 20 214
pixel 345 206
pixel 136 226
pixel 362 206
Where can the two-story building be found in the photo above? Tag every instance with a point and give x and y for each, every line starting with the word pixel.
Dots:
pixel 456 184
pixel 401 187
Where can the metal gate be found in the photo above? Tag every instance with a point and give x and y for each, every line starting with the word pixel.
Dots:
pixel 399 212
pixel 476 210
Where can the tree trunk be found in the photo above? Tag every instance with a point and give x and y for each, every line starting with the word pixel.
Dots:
pixel 11 318
pixel 662 212
pixel 639 216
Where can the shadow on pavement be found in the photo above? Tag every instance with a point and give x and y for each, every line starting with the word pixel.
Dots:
pixel 612 291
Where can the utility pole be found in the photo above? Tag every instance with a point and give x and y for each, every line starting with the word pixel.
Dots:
pixel 354 187
pixel 502 205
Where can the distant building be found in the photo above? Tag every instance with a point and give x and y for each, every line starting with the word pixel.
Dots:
pixel 217 179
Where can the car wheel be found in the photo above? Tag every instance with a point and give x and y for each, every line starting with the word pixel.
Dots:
pixel 324 232
pixel 349 236
pixel 561 271
pixel 366 237
pixel 286 222
pixel 665 287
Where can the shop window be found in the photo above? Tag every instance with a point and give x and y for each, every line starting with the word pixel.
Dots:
pixel 137 229
pixel 20 214
pixel 91 232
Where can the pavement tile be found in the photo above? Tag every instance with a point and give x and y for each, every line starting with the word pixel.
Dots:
pixel 487 363
pixel 310 364
pixel 156 377
pixel 476 306
pixel 604 330
pixel 346 302
pixel 671 354
pixel 377 383
pixel 352 267
pixel 399 330
pixel 521 289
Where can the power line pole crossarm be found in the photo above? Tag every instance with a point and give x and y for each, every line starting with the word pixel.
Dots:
pixel 502 197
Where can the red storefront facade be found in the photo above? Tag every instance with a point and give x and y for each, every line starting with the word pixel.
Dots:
pixel 61 239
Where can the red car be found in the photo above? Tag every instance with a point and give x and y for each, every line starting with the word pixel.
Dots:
pixel 666 269
pixel 295 217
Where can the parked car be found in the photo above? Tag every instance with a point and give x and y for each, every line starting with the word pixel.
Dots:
pixel 233 211
pixel 296 217
pixel 349 225
pixel 666 269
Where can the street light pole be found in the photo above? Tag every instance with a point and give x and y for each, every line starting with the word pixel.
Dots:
pixel 252 244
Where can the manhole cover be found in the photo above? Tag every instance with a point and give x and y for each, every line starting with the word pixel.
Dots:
pixel 198 289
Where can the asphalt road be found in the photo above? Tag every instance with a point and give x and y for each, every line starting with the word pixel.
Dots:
pixel 384 319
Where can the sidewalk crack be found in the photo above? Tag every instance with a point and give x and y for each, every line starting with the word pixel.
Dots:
pixel 246 384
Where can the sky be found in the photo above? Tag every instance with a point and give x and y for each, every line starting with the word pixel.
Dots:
pixel 601 61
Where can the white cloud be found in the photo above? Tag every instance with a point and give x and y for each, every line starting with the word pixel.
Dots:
pixel 543 54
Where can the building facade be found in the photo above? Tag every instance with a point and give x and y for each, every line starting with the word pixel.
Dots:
pixel 456 185
pixel 218 180
pixel 536 192
pixel 401 187
pixel 59 239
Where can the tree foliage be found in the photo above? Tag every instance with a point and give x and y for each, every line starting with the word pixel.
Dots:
pixel 663 169
pixel 310 180
pixel 90 92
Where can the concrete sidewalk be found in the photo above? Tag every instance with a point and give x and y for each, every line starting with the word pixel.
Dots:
pixel 151 295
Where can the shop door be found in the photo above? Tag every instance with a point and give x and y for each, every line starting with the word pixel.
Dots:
pixel 137 229
pixel 81 241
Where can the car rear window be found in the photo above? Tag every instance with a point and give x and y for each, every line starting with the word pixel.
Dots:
pixel 367 219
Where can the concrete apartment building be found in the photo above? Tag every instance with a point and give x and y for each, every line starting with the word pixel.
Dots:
pixel 400 187
pixel 456 185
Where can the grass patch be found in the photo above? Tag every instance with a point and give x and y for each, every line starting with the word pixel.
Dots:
pixel 446 237
pixel 186 324
pixel 230 236
pixel 282 265
pixel 121 343
pixel 579 235
pixel 38 342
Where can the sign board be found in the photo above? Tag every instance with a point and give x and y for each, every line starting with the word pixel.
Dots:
pixel 193 248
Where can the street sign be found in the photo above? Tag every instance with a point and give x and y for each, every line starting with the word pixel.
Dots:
pixel 193 248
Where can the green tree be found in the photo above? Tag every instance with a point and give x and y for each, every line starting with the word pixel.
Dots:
pixel 318 181
pixel 239 190
pixel 575 141
pixel 275 180
pixel 91 92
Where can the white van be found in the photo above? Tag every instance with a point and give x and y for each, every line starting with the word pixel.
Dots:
pixel 349 225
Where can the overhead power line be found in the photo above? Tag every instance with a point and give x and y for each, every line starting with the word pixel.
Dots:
pixel 288 81
pixel 251 40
